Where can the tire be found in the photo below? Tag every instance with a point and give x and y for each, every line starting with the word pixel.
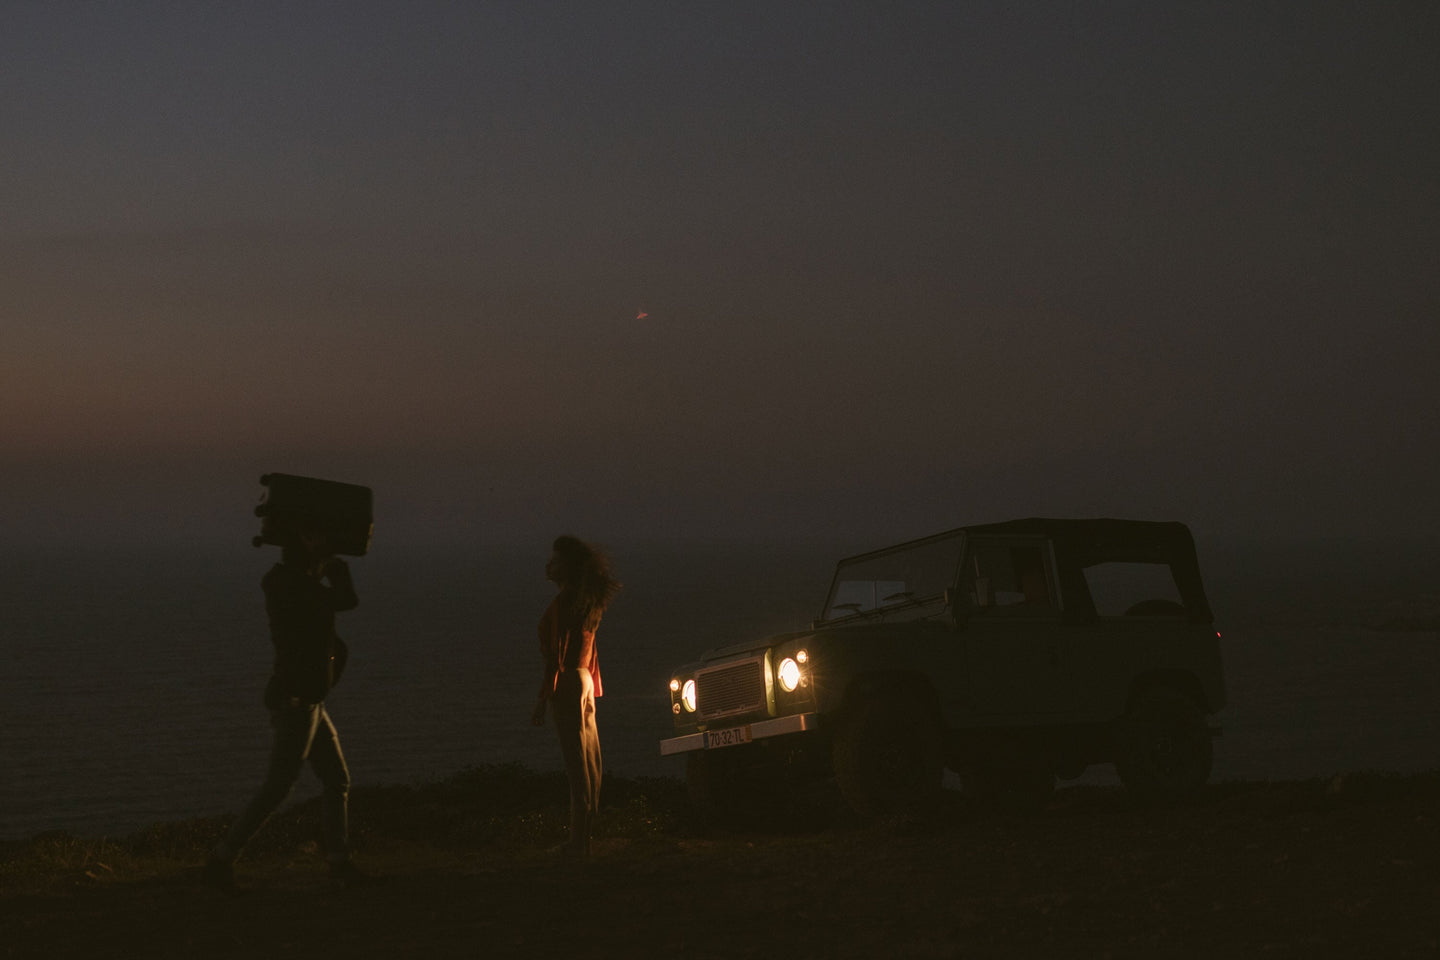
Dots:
pixel 888 757
pixel 728 789
pixel 1164 751
pixel 705 786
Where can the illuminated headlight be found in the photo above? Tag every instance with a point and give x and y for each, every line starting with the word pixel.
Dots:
pixel 687 696
pixel 789 674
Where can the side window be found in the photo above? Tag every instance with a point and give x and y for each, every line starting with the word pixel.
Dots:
pixel 1008 579
pixel 1134 590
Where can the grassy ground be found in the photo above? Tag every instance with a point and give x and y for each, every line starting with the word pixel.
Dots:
pixel 1344 868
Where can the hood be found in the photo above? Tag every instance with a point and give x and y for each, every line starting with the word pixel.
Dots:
pixel 751 646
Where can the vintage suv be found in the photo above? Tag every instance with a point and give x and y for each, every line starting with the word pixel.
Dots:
pixel 1012 653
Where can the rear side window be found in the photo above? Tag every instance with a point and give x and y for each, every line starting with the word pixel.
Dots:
pixel 1134 590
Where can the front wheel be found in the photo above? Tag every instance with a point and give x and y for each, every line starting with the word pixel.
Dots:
pixel 736 787
pixel 889 757
pixel 716 795
pixel 1164 750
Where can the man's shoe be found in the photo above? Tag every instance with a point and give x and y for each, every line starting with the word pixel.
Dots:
pixel 220 875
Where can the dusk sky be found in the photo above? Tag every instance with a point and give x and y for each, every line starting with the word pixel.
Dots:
pixel 904 266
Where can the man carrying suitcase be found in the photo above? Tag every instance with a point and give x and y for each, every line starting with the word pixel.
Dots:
pixel 303 592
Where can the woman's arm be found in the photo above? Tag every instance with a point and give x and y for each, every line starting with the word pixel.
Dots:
pixel 550 653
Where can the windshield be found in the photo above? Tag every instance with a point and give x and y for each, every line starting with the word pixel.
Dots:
pixel 910 574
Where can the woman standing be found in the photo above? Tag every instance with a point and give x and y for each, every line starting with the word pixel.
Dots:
pixel 571 682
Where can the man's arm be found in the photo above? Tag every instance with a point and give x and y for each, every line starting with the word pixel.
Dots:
pixel 342 588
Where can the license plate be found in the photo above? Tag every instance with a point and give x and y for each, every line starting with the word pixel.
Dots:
pixel 726 738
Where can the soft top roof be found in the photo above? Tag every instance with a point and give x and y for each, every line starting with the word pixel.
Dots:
pixel 1084 543
pixel 1140 541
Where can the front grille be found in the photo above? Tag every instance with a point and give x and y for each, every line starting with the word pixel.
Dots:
pixel 731 689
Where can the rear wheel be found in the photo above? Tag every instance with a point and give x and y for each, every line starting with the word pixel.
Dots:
pixel 1164 751
pixel 888 756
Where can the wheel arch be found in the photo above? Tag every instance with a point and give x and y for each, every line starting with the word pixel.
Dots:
pixel 890 683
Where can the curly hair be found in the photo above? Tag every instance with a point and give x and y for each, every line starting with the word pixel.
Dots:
pixel 588 582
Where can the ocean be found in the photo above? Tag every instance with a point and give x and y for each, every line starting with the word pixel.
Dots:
pixel 132 680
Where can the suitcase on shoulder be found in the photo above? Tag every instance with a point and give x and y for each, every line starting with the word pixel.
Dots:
pixel 344 511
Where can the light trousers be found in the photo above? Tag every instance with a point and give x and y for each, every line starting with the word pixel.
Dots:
pixel 302 731
pixel 573 710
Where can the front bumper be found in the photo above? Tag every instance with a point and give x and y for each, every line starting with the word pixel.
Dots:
pixel 760 730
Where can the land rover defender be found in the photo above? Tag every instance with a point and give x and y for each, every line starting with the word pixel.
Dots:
pixel 1012 653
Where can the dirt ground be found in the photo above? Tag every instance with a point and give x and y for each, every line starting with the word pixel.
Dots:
pixel 1342 868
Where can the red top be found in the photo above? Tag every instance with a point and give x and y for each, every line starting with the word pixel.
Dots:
pixel 566 646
